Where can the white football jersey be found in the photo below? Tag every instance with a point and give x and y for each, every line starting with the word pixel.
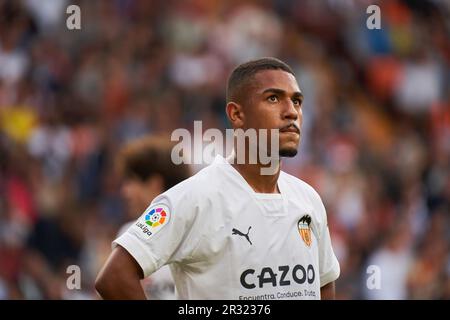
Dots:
pixel 225 241
pixel 160 285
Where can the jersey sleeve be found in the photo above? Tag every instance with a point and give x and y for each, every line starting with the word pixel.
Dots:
pixel 162 234
pixel 329 268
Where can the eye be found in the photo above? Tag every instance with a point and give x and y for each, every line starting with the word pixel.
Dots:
pixel 273 98
pixel 297 102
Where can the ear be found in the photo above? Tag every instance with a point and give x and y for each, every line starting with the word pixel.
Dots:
pixel 235 114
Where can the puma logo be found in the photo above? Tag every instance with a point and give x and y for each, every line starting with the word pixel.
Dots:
pixel 239 233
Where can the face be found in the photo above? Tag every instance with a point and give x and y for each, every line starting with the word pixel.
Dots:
pixel 275 102
pixel 139 194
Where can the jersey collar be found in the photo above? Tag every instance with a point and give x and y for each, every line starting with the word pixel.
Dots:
pixel 224 163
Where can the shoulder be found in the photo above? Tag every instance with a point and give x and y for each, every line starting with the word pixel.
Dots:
pixel 300 186
pixel 305 193
pixel 192 194
pixel 198 185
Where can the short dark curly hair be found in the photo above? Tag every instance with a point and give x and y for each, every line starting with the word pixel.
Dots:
pixel 148 156
pixel 243 73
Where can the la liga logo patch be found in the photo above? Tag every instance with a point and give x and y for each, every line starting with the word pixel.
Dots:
pixel 156 217
pixel 153 219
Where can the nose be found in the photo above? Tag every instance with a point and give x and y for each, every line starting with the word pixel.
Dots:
pixel 290 111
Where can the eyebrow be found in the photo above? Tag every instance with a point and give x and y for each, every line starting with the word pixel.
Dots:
pixel 296 94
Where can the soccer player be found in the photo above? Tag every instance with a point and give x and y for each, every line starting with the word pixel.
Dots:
pixel 146 170
pixel 230 232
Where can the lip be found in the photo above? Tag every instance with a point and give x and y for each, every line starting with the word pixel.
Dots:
pixel 290 129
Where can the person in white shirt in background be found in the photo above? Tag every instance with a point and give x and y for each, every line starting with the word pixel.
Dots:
pixel 147 170
pixel 391 264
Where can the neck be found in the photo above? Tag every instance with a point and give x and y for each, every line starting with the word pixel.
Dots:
pixel 252 174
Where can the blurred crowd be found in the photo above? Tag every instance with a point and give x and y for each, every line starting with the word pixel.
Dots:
pixel 375 144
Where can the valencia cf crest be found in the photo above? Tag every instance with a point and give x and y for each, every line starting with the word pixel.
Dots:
pixel 304 228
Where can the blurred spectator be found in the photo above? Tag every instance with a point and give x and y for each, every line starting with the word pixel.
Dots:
pixel 394 262
pixel 147 171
